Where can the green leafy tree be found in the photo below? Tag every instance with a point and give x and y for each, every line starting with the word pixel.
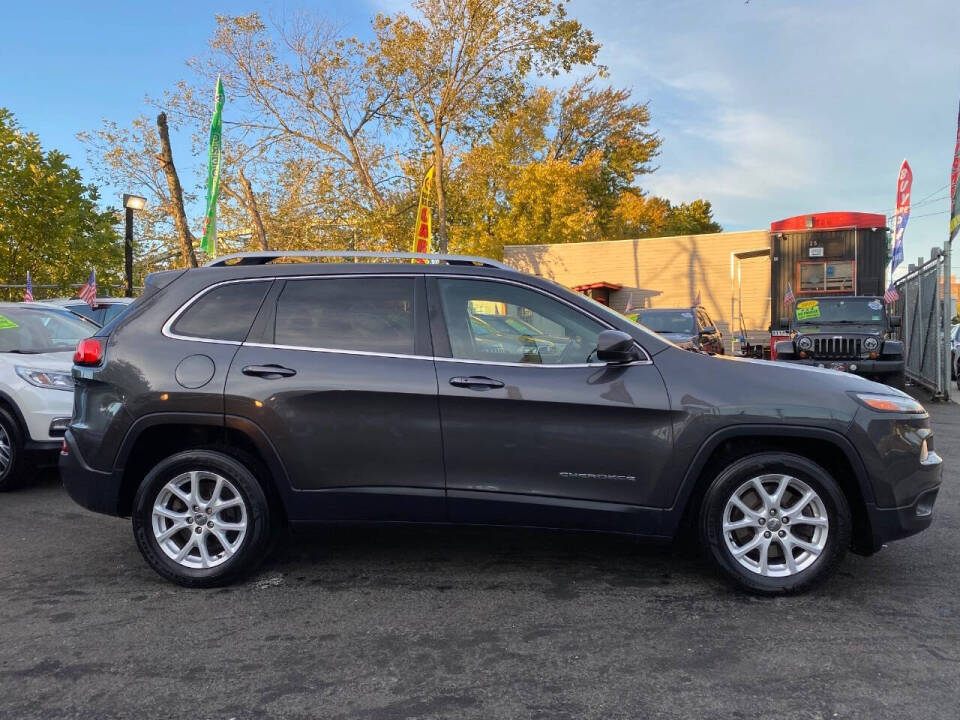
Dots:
pixel 50 223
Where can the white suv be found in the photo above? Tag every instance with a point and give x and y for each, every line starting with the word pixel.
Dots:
pixel 36 386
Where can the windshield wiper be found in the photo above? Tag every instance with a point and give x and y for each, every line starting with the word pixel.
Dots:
pixel 23 352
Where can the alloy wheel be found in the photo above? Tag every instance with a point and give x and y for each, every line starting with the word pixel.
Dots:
pixel 775 525
pixel 199 519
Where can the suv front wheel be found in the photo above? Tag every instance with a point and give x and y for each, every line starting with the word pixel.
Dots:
pixel 775 523
pixel 201 519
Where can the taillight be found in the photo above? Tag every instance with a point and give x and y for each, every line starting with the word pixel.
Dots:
pixel 89 352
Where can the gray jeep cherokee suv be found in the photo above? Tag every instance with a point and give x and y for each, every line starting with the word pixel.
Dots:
pixel 239 396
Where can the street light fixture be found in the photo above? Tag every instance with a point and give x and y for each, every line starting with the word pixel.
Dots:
pixel 131 203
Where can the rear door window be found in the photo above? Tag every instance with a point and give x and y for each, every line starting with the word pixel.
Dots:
pixel 223 313
pixel 359 314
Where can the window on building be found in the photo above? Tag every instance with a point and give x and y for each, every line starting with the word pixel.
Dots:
pixel 827 276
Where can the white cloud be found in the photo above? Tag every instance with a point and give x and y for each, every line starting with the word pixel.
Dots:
pixel 749 156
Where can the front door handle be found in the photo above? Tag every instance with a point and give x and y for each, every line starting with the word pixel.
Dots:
pixel 476 383
pixel 270 372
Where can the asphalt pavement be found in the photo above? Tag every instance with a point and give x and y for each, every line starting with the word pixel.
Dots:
pixel 437 623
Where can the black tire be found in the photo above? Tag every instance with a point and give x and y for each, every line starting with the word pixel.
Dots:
pixel 816 478
pixel 12 473
pixel 260 521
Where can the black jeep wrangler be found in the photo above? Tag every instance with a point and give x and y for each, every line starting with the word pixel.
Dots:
pixel 848 333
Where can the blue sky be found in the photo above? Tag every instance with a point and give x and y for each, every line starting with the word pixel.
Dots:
pixel 768 108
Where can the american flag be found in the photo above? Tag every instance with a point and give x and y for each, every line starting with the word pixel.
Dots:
pixel 788 297
pixel 28 293
pixel 88 293
pixel 891 295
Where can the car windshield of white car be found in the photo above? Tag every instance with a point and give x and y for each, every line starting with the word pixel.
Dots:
pixel 35 330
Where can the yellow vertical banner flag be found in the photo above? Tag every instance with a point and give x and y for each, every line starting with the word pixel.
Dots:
pixel 423 232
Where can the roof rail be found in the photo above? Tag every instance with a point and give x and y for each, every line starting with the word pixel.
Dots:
pixel 262 257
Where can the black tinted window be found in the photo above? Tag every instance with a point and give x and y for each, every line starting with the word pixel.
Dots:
pixel 365 314
pixel 224 313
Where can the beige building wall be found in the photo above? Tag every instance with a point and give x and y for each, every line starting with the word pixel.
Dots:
pixel 731 271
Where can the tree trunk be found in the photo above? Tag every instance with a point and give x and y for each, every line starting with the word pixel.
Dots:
pixel 165 158
pixel 442 243
pixel 253 210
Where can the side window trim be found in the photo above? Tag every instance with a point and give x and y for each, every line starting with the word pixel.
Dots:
pixel 441 340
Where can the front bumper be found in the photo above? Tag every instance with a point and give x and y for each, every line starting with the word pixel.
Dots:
pixel 93 489
pixel 895 523
pixel 863 367
pixel 904 474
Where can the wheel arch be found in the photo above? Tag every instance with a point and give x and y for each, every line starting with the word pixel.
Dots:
pixel 8 404
pixel 153 437
pixel 825 447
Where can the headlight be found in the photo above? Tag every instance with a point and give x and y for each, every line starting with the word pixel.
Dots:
pixel 871 343
pixel 50 379
pixel 804 342
pixel 889 403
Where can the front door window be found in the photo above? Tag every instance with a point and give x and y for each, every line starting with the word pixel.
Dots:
pixel 499 322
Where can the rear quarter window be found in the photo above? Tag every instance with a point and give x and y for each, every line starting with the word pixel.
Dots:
pixel 224 313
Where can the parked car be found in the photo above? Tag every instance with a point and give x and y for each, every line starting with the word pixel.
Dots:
pixel 691 328
pixel 36 385
pixel 846 333
pixel 238 396
pixel 101 312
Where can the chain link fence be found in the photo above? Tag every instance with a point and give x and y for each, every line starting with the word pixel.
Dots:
pixel 921 307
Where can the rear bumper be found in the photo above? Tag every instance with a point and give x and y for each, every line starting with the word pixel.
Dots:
pixel 93 489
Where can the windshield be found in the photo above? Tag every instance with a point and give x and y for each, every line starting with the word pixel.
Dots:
pixel 667 321
pixel 838 310
pixel 40 330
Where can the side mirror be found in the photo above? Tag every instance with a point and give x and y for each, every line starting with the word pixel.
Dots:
pixel 894 321
pixel 614 346
pixel 708 330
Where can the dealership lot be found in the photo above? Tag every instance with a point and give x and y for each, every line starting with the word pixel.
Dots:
pixel 389 623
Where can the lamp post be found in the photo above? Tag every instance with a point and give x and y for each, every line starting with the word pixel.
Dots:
pixel 131 203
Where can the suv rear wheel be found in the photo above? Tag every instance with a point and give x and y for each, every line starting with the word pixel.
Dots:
pixel 775 523
pixel 201 519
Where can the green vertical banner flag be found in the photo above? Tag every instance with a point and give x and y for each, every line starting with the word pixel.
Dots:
pixel 214 159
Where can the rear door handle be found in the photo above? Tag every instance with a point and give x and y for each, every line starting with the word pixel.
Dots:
pixel 476 383
pixel 269 372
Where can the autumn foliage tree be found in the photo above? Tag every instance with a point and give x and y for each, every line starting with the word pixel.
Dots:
pixel 460 65
pixel 327 138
